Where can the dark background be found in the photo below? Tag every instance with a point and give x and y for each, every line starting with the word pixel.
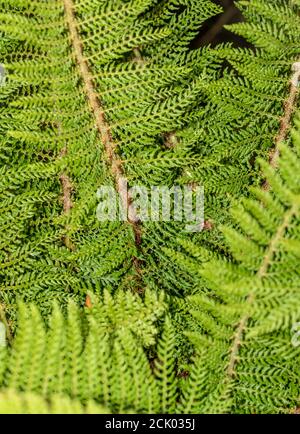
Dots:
pixel 212 31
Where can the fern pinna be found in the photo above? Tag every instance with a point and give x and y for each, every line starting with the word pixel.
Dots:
pixel 103 92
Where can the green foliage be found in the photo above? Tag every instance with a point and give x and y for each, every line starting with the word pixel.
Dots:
pixel 48 131
pixel 12 402
pixel 244 107
pixel 119 91
pixel 251 302
pixel 81 357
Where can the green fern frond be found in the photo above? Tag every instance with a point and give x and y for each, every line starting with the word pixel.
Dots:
pixel 250 305
pixel 52 157
pixel 75 364
pixel 12 402
pixel 102 92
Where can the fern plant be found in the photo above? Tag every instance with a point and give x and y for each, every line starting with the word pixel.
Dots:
pixel 89 90
pixel 93 361
pixel 248 109
pixel 12 402
pixel 108 92
pixel 246 314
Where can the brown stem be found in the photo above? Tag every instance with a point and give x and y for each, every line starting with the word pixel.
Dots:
pixel 285 121
pixel 67 189
pixel 285 125
pixel 101 123
pixel 260 274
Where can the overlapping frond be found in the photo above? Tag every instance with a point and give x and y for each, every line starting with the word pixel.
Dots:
pixel 102 92
pixel 77 78
pixel 92 361
pixel 246 109
pixel 12 402
pixel 250 303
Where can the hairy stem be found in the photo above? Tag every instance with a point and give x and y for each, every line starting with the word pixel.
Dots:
pixel 67 189
pixel 102 125
pixel 285 125
pixel 97 109
pixel 261 273
pixel 285 121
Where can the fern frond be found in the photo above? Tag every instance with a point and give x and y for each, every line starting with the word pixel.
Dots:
pixel 248 313
pixel 82 366
pixel 13 402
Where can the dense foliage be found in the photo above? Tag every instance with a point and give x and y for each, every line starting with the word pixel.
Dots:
pixel 130 316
